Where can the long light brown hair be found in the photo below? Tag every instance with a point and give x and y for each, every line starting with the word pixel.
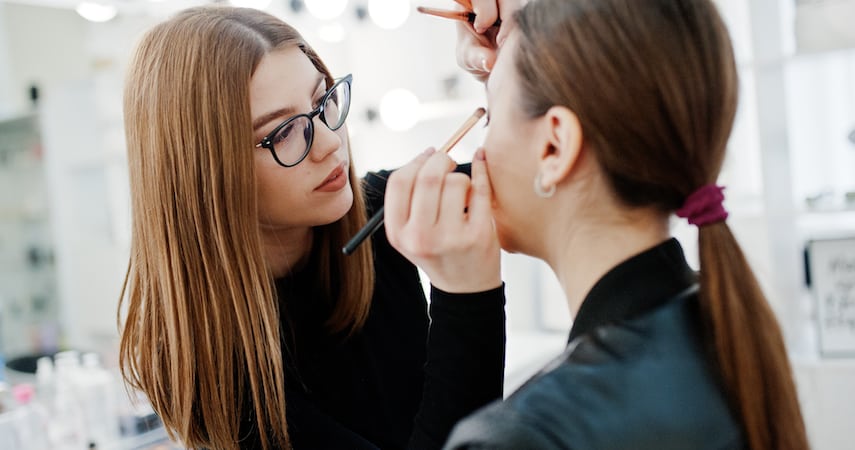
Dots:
pixel 654 85
pixel 202 329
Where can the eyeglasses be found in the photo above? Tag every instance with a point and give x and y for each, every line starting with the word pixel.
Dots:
pixel 291 140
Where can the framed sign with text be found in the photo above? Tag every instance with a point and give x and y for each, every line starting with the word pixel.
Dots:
pixel 831 268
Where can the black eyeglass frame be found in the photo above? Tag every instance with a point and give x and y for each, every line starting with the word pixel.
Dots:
pixel 267 141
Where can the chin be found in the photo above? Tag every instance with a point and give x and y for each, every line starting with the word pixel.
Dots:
pixel 337 207
pixel 506 239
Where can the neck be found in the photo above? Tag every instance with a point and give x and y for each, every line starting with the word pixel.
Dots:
pixel 286 250
pixel 590 250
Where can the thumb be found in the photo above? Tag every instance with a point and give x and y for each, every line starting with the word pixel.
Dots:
pixel 476 59
pixel 476 53
pixel 504 31
pixel 487 59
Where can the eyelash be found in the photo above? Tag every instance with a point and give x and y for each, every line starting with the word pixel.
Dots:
pixel 316 103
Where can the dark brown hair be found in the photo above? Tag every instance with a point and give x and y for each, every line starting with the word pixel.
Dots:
pixel 202 333
pixel 654 85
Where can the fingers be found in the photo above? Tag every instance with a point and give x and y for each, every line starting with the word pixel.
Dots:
pixel 486 14
pixel 399 189
pixel 504 31
pixel 478 43
pixel 428 189
pixel 507 9
pixel 452 213
pixel 476 54
pixel 426 222
pixel 481 195
pixel 478 61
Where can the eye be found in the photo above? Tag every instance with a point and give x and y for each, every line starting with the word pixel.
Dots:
pixel 318 98
pixel 283 133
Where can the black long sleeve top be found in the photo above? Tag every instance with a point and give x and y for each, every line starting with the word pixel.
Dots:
pixel 636 373
pixel 406 377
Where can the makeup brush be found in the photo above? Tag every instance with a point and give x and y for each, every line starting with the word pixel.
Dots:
pixel 465 16
pixel 376 220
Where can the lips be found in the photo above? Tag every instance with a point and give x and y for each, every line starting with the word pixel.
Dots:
pixel 335 180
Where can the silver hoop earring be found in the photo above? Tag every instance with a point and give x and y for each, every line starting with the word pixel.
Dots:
pixel 538 187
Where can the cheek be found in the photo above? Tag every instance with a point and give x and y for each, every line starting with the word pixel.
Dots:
pixel 511 175
pixel 262 179
pixel 265 172
pixel 505 160
pixel 504 139
pixel 265 193
pixel 275 189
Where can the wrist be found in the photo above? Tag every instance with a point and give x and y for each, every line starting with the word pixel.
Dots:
pixel 467 286
pixel 437 292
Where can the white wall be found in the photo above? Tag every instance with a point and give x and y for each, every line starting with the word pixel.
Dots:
pixel 38 56
pixel 6 103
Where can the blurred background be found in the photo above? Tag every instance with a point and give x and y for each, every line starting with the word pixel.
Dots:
pixel 64 206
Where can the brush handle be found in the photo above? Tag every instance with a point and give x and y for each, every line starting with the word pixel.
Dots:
pixel 371 227
pixel 464 16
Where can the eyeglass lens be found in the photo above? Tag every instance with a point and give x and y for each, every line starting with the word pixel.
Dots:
pixel 292 142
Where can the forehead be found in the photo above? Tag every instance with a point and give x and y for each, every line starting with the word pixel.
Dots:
pixel 284 77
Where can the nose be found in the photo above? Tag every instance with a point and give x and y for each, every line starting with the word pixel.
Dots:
pixel 325 142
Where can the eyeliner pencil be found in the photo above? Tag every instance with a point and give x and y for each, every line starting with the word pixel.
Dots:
pixel 376 220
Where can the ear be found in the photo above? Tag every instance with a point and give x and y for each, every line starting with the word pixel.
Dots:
pixel 563 145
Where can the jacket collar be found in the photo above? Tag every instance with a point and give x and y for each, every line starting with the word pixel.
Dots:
pixel 634 287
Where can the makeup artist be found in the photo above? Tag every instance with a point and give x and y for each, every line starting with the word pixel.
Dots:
pixel 607 118
pixel 246 326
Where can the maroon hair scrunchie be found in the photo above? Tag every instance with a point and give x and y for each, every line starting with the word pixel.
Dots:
pixel 704 206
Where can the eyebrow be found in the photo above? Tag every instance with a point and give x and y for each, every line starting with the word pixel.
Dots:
pixel 286 111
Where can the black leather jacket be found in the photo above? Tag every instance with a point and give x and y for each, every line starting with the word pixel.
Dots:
pixel 635 374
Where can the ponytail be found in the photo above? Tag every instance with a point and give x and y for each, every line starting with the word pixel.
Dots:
pixel 747 343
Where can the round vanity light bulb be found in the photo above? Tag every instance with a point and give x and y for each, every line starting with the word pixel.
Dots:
pixel 255 4
pixel 326 9
pixel 96 12
pixel 389 14
pixel 400 109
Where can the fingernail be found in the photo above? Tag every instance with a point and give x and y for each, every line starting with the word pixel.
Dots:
pixel 479 154
pixel 429 151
